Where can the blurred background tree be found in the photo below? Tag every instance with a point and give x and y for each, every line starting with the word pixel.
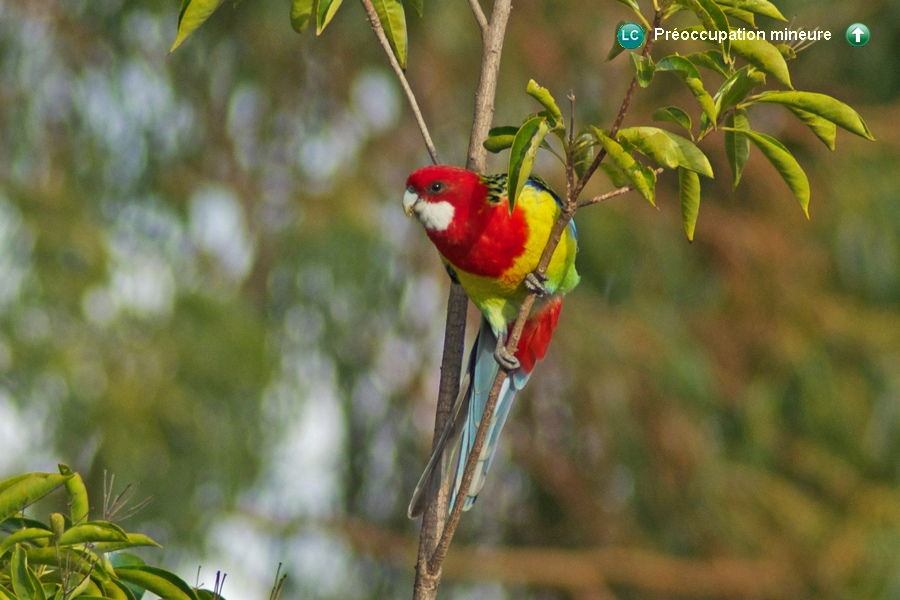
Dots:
pixel 208 288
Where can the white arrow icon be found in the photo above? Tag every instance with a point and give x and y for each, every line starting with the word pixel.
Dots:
pixel 858 33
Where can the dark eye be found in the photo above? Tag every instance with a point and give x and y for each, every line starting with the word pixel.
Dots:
pixel 436 188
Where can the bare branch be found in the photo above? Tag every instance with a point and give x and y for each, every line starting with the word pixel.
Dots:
pixel 401 77
pixel 479 16
pixel 617 192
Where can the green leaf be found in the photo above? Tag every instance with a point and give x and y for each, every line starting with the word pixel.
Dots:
pixel 673 114
pixel 688 73
pixel 193 14
pixel 642 178
pixel 737 145
pixel 583 153
pixel 713 19
pixel 95 531
pixel 737 87
pixel 616 48
pixel 633 6
pixel 786 165
pixel 78 558
pixel 689 190
pixel 522 154
pixel 760 7
pixel 500 138
pixel 24 582
pixel 27 489
pixel 713 60
pixel 542 95
pixel 24 535
pixel 417 5
pixel 763 56
pixel 164 584
pixel 823 129
pixel 822 105
pixel 393 21
pixel 744 15
pixel 301 11
pixel 208 595
pixel 616 175
pixel 325 12
pixel 126 559
pixel 643 69
pixel 78 498
pixel 668 149
pixel 134 540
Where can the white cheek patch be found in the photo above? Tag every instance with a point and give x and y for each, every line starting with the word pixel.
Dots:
pixel 435 216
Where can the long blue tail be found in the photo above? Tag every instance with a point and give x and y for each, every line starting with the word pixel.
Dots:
pixel 462 427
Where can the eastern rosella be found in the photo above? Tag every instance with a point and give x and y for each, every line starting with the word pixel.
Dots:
pixel 493 254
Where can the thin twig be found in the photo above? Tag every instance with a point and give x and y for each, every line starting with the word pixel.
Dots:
pixel 479 16
pixel 401 76
pixel 608 195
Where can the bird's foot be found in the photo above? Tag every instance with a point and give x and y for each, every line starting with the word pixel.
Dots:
pixel 536 282
pixel 507 361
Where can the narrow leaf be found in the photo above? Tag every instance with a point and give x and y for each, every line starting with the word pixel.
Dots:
pixel 668 149
pixel 823 105
pixel 737 87
pixel 500 138
pixel 393 21
pixel 324 13
pixel 643 69
pixel 301 12
pixel 78 498
pixel 133 541
pixel 823 129
pixel 744 15
pixel 764 56
pixel 542 95
pixel 583 153
pixel 713 19
pixel 158 581
pixel 786 165
pixel 737 145
pixel 30 534
pixel 688 73
pixel 616 175
pixel 760 7
pixel 28 490
pixel 673 114
pixel 642 178
pixel 417 5
pixel 24 582
pixel 522 154
pixel 689 190
pixel 713 60
pixel 616 48
pixel 193 14
pixel 97 531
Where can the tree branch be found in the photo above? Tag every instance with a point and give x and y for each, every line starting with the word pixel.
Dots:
pixel 433 536
pixel 401 77
pixel 608 195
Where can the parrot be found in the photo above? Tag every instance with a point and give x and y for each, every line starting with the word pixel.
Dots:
pixel 493 253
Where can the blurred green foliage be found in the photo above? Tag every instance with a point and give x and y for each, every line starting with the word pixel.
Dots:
pixel 208 288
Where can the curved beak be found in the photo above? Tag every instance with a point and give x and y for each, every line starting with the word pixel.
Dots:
pixel 410 198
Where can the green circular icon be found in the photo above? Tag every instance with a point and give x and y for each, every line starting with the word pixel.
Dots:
pixel 631 36
pixel 858 34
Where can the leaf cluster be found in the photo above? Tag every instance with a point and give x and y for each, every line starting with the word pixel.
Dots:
pixel 391 14
pixel 743 66
pixel 73 557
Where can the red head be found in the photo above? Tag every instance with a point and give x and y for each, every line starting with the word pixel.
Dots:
pixel 470 226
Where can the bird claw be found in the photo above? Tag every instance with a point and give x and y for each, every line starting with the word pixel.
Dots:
pixel 507 361
pixel 535 282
